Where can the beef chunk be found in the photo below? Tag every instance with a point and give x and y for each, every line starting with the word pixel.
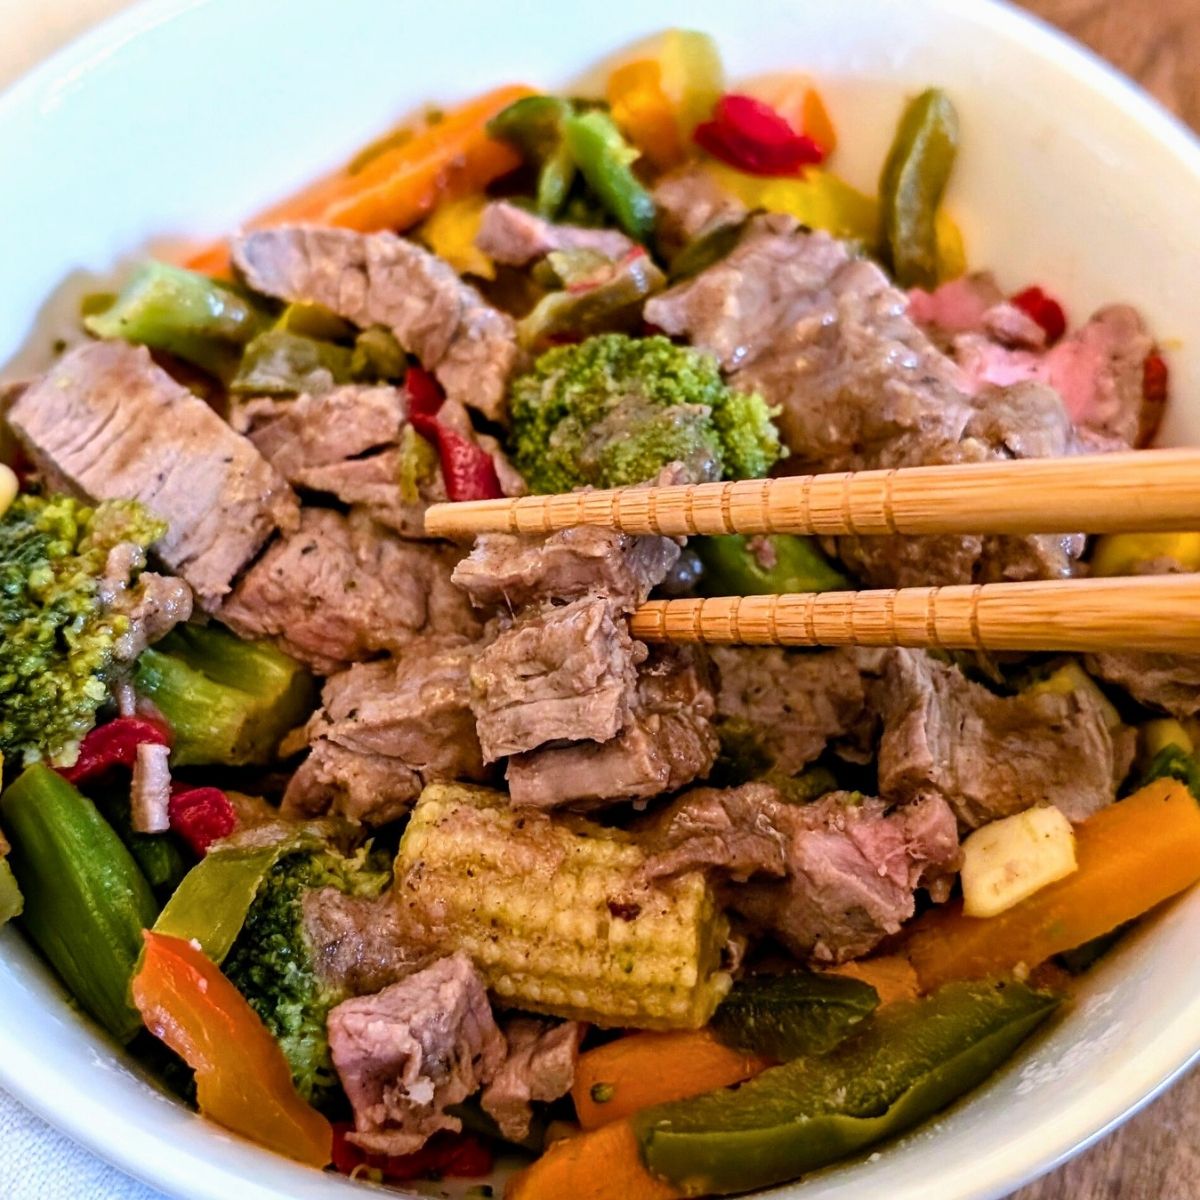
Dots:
pixel 360 944
pixel 382 279
pixel 150 789
pixel 509 571
pixel 560 674
pixel 539 1065
pixel 991 756
pixel 793 702
pixel 152 604
pixel 516 237
pixel 829 879
pixel 387 728
pixel 668 743
pixel 691 203
pixel 107 423
pixel 1167 682
pixel 973 304
pixel 407 1053
pixel 340 589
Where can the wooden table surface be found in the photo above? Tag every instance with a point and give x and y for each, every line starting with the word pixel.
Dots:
pixel 1155 1156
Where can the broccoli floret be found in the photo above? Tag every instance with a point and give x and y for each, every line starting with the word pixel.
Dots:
pixel 56 639
pixel 614 410
pixel 272 964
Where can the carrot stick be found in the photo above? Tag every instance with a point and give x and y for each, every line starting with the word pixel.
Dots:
pixel 600 1165
pixel 634 1072
pixel 399 186
pixel 1132 855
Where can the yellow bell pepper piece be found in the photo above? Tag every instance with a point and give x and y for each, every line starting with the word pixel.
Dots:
pixel 1120 553
pixel 693 77
pixel 450 233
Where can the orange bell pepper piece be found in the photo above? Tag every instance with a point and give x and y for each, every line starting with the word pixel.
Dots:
pixel 1132 855
pixel 242 1078
pixel 395 188
pixel 644 113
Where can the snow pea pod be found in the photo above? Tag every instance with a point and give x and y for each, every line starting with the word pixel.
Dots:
pixel 11 900
pixel 86 902
pixel 906 1064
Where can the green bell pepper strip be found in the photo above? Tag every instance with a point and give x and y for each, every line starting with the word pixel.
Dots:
pixel 605 160
pixel 785 1016
pixel 732 569
pixel 211 903
pixel 281 363
pixel 11 900
pixel 912 184
pixel 185 313
pixel 86 902
pixel 909 1062
pixel 535 126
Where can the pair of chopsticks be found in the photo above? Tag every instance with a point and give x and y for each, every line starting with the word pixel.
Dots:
pixel 1140 491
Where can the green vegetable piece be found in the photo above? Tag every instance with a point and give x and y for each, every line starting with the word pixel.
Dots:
pixel 706 250
pixel 785 1016
pixel 906 1064
pixel 535 125
pixel 281 363
pixel 227 701
pixel 156 854
pixel 378 356
pixel 211 903
pixel 57 642
pixel 912 184
pixel 86 902
pixel 1172 762
pixel 184 313
pixel 605 161
pixel 11 900
pixel 785 563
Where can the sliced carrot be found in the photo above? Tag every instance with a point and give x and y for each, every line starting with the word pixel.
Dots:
pixel 1132 855
pixel 395 188
pixel 620 1078
pixel 600 1165
pixel 892 976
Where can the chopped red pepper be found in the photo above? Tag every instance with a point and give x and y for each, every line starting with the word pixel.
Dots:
pixel 200 815
pixel 114 744
pixel 448 1155
pixel 467 469
pixel 1045 310
pixel 1155 378
pixel 754 137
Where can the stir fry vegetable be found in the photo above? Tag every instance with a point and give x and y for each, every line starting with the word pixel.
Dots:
pixel 735 565
pixel 536 125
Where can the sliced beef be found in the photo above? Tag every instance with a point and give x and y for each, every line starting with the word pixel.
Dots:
pixel 991 756
pixel 152 604
pixel 109 424
pixel 515 236
pixel 564 673
pixel 341 589
pixel 1167 682
pixel 407 1053
pixel 973 304
pixel 829 879
pixel 386 729
pixel 668 743
pixel 691 203
pixel 150 789
pixel 539 1065
pixel 509 571
pixel 793 702
pixel 360 944
pixel 382 279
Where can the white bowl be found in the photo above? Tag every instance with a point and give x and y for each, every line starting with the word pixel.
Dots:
pixel 182 116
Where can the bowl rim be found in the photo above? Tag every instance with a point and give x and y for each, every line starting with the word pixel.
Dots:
pixel 69 1107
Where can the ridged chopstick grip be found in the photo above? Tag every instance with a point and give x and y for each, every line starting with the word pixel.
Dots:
pixel 1160 613
pixel 1143 490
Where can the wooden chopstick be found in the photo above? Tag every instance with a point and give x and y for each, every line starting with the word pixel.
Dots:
pixel 1137 613
pixel 1143 490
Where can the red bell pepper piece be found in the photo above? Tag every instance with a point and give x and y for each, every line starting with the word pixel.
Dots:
pixel 114 744
pixel 200 815
pixel 1045 310
pixel 447 1155
pixel 1155 378
pixel 754 137
pixel 467 469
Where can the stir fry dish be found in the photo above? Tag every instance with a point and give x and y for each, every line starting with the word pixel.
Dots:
pixel 403 858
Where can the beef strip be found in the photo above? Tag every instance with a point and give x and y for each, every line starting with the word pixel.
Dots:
pixel 691 203
pixel 341 589
pixel 829 879
pixel 360 944
pixel 509 571
pixel 385 730
pixel 152 604
pixel 668 743
pixel 991 756
pixel 560 673
pixel 539 1065
pixel 150 789
pixel 973 304
pixel 515 236
pixel 1167 682
pixel 110 424
pixel 382 279
pixel 407 1053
